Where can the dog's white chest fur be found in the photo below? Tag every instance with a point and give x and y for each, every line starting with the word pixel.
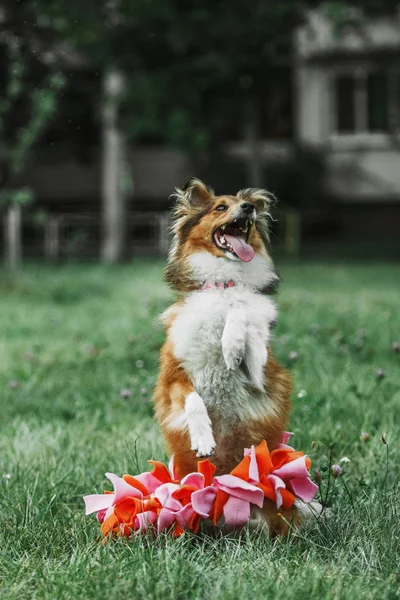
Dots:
pixel 221 336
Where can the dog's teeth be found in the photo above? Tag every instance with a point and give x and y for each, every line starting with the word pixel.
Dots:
pixel 223 227
pixel 222 239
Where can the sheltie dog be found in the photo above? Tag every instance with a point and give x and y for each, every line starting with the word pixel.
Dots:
pixel 220 389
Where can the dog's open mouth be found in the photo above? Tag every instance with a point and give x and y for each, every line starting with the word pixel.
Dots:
pixel 233 236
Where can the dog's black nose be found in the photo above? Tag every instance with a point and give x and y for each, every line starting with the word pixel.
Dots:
pixel 247 207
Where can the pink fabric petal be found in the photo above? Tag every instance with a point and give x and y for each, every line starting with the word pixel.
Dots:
pixel 284 439
pixel 303 488
pixel 286 436
pixel 164 495
pixel 236 512
pixel 96 502
pixel 149 481
pixel 294 469
pixel 183 516
pixel 239 489
pixel 109 512
pixel 203 500
pixel 140 524
pixel 101 515
pixel 122 489
pixel 166 518
pixel 196 479
pixel 253 469
pixel 145 519
pixel 278 485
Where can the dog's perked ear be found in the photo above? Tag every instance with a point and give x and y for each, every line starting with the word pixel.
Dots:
pixel 261 199
pixel 192 196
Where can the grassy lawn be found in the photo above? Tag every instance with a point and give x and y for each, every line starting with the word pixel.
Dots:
pixel 73 337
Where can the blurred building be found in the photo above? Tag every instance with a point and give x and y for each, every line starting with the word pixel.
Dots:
pixel 348 102
pixel 338 96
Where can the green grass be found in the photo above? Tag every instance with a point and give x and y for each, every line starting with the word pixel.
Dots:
pixel 73 337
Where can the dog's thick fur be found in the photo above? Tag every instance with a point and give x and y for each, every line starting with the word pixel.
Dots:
pixel 220 389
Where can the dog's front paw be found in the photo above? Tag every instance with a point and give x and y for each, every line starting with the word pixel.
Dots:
pixel 233 355
pixel 200 431
pixel 203 443
pixel 233 339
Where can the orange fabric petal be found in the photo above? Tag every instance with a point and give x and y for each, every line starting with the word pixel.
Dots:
pixel 281 457
pixel 160 471
pixel 194 523
pixel 184 493
pixel 263 458
pixel 220 500
pixel 206 468
pixel 288 499
pixel 136 484
pixel 126 529
pixel 242 469
pixel 266 486
pixel 127 509
pixel 177 530
pixel 151 504
pixel 109 525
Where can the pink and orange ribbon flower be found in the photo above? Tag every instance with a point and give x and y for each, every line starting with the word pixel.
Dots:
pixel 155 501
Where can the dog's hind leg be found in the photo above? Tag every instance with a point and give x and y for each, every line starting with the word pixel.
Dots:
pixel 189 414
pixel 180 410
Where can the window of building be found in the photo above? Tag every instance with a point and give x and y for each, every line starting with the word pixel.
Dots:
pixel 378 101
pixel 364 101
pixel 345 103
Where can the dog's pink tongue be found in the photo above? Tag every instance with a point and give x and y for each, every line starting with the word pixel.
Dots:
pixel 240 247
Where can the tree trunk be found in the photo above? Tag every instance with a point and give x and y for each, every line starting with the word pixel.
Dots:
pixel 52 237
pixel 252 140
pixel 13 239
pixel 113 196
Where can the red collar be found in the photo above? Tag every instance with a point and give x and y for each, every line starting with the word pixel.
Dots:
pixel 221 286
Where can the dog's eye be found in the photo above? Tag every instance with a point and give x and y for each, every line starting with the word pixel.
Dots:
pixel 221 207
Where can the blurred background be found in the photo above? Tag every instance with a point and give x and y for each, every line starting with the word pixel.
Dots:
pixel 107 105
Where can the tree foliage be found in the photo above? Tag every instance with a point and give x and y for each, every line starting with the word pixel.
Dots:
pixel 185 63
pixel 30 82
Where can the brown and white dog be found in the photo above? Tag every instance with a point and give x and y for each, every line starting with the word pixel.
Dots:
pixel 220 389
